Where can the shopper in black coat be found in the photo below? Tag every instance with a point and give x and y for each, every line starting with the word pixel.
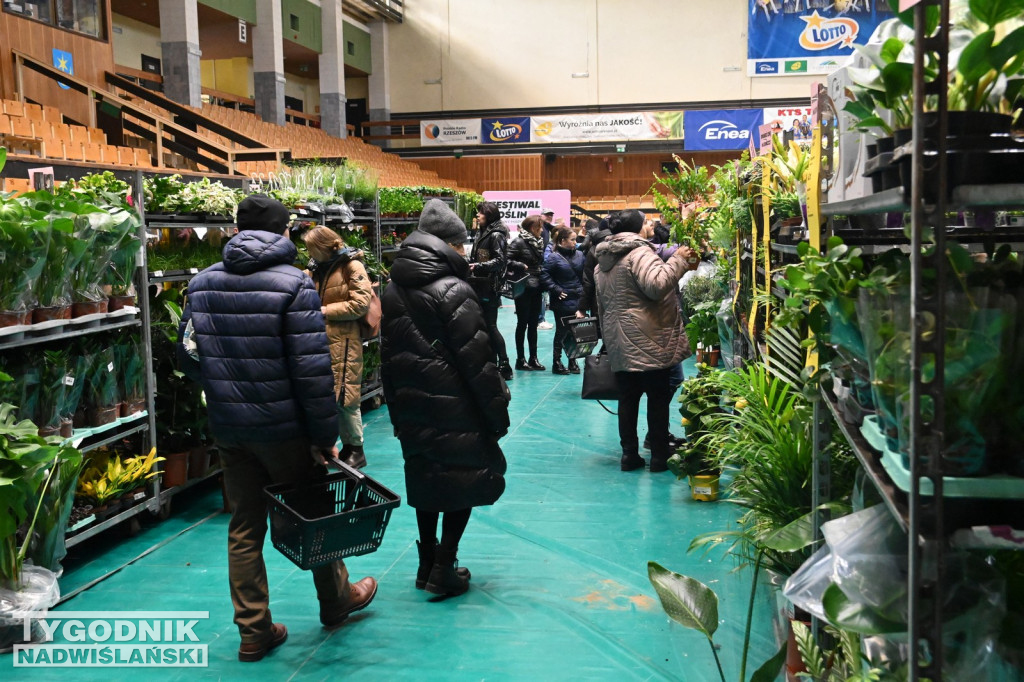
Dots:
pixel 563 279
pixel 489 261
pixel 445 397
pixel 595 235
pixel 256 341
pixel 526 257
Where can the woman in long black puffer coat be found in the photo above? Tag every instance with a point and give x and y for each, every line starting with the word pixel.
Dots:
pixel 562 275
pixel 447 402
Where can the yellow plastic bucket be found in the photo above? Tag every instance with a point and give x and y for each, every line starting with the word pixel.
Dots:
pixel 704 488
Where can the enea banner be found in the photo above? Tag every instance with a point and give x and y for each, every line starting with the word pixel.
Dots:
pixel 795 37
pixel 618 127
pixel 722 129
pixel 444 133
pixel 515 206
pixel 505 130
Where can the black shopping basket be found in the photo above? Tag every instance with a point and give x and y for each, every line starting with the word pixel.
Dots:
pixel 342 515
pixel 582 337
pixel 514 288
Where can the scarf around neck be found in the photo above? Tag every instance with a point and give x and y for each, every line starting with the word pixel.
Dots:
pixel 536 242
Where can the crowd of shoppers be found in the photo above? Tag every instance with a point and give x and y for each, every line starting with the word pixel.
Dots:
pixel 279 354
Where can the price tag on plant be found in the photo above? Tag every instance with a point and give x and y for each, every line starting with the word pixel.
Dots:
pixel 158 273
pixel 69 380
pixel 139 496
pixel 110 367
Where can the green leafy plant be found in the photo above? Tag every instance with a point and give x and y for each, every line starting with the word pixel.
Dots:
pixel 120 275
pixel 102 386
pixel 702 329
pixel 26 472
pixel 23 256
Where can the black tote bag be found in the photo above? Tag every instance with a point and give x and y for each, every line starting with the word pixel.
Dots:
pixel 599 379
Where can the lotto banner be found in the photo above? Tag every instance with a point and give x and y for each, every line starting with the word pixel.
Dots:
pixel 505 130
pixel 799 37
pixel 620 127
pixel 451 132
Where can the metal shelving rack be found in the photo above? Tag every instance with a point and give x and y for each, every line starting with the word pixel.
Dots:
pixel 144 423
pixel 922 510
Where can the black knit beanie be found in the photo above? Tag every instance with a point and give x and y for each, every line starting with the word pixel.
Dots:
pixel 260 212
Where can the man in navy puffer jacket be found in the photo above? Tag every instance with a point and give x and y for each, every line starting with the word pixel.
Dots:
pixel 264 363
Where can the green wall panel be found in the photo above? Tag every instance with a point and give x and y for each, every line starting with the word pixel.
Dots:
pixel 360 40
pixel 240 9
pixel 309 33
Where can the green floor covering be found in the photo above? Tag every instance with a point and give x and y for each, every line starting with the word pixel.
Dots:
pixel 559 588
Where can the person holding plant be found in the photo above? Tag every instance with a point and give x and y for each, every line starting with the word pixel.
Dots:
pixel 562 277
pixel 643 332
pixel 345 292
pixel 445 396
pixel 488 262
pixel 525 257
pixel 258 346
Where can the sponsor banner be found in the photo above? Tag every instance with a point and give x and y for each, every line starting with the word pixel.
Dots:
pixel 795 120
pixel 721 129
pixel 456 131
pixel 644 125
pixel 515 206
pixel 505 130
pixel 793 37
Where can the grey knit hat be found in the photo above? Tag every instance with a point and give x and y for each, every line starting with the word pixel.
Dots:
pixel 442 222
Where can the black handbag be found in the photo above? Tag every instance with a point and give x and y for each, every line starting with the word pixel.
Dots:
pixel 599 379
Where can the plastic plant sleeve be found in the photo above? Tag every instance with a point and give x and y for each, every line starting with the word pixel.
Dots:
pixel 35 594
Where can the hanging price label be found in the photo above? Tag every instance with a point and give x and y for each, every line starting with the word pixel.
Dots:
pixel 69 380
pixel 110 367
pixel 139 496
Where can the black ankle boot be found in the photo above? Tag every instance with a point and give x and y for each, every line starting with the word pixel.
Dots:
pixel 353 456
pixel 506 370
pixel 427 553
pixel 535 365
pixel 558 368
pixel 445 577
pixel 573 367
pixel 521 366
pixel 631 461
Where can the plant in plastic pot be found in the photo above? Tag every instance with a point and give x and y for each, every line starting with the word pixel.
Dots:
pixel 22 262
pixel 702 330
pixel 121 273
pixel 131 374
pixel 28 469
pixel 102 387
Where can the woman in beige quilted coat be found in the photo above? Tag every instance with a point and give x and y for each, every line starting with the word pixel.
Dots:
pixel 642 330
pixel 345 292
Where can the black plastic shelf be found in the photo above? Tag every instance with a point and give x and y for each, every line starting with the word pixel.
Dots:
pixel 894 499
pixel 1008 196
pixel 789 249
pixel 170 225
pixel 150 504
pixel 115 433
pixel 891 200
pixel 173 275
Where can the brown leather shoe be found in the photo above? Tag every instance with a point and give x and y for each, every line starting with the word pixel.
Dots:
pixel 255 651
pixel 360 595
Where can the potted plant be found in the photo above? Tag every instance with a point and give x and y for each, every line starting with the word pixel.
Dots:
pixel 120 276
pixel 102 388
pixel 22 263
pixel 28 469
pixel 701 396
pixel 131 374
pixel 103 232
pixel 52 388
pixel 702 333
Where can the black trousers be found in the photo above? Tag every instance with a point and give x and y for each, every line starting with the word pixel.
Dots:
pixel 561 329
pixel 491 307
pixel 527 316
pixel 633 385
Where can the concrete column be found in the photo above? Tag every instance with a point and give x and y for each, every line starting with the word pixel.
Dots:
pixel 268 62
pixel 332 70
pixel 379 82
pixel 180 53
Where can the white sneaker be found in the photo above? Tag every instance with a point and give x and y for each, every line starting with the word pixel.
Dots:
pixel 545 325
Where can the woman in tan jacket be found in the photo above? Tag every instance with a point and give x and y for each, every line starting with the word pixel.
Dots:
pixel 642 330
pixel 345 292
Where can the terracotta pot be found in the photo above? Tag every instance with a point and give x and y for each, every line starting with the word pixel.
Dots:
pixel 130 407
pixel 198 461
pixel 47 431
pixel 700 355
pixel 81 308
pixel 711 357
pixel 175 469
pixel 794 664
pixel 11 318
pixel 57 312
pixel 67 428
pixel 119 302
pixel 98 416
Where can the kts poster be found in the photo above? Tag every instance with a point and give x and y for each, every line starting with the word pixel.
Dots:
pixel 799 37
